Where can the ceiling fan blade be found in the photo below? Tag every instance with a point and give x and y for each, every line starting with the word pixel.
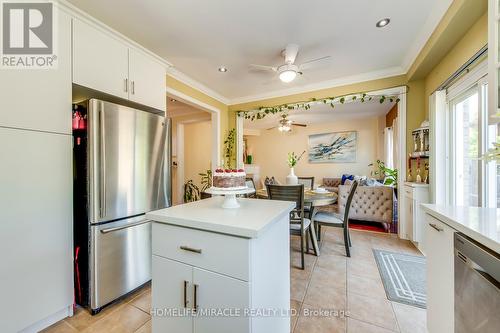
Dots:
pixel 290 53
pixel 314 62
pixel 263 68
pixel 270 128
pixel 301 125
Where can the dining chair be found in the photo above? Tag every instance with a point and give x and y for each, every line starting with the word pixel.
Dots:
pixel 299 225
pixel 337 220
pixel 250 184
pixel 308 183
pixel 269 181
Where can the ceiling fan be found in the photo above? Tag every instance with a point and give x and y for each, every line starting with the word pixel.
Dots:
pixel 285 124
pixel 289 70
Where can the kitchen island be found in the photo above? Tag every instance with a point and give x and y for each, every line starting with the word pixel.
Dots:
pixel 221 270
pixel 459 298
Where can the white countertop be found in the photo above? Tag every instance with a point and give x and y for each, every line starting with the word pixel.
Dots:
pixel 480 224
pixel 249 221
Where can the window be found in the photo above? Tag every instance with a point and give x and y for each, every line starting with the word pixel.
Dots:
pixel 471 181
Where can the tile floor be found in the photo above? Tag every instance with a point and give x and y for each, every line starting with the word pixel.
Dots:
pixel 331 281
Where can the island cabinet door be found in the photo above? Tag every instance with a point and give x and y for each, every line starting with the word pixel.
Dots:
pixel 440 276
pixel 171 303
pixel 221 303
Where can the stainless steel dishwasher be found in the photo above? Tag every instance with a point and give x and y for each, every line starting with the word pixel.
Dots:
pixel 477 287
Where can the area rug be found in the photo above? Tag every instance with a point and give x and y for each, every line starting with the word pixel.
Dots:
pixel 403 276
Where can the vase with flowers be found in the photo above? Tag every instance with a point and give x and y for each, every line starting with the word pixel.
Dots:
pixel 292 161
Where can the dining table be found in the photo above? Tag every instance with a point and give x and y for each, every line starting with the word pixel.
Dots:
pixel 316 199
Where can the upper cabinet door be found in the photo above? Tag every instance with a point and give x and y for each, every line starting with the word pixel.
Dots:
pixel 147 80
pixel 100 62
pixel 40 99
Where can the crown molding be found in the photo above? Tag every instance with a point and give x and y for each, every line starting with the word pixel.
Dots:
pixel 180 76
pixel 375 75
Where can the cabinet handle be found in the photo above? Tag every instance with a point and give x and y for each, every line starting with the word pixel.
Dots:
pixel 126 85
pixel 435 227
pixel 190 249
pixel 185 293
pixel 133 87
pixel 195 298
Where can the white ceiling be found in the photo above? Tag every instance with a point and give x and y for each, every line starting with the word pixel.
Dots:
pixel 197 36
pixel 323 113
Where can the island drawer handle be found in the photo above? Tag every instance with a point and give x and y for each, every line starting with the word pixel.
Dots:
pixel 190 249
pixel 195 298
pixel 435 227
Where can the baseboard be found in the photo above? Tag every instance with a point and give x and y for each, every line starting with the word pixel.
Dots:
pixel 50 320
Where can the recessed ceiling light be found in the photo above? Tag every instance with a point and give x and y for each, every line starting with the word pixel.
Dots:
pixel 222 69
pixel 173 100
pixel 383 22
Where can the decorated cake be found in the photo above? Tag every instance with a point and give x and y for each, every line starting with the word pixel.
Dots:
pixel 229 179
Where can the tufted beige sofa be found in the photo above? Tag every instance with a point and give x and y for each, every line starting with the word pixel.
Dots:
pixel 331 184
pixel 370 203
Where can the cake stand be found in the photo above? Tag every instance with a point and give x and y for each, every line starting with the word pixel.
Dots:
pixel 230 195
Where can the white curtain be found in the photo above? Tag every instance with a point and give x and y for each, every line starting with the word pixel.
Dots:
pixel 395 140
pixel 437 163
pixel 389 147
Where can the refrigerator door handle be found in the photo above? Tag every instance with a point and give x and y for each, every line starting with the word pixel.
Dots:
pixel 102 164
pixel 105 231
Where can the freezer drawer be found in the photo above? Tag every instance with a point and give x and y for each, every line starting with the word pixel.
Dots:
pixel 120 259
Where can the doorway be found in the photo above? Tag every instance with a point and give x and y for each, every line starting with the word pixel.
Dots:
pixel 195 141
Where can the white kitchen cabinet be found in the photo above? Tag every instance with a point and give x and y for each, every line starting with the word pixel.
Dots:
pixel 197 269
pixel 440 275
pixel 416 194
pixel 40 99
pixel 100 62
pixel 191 287
pixel 216 291
pixel 36 237
pixel 147 80
pixel 171 296
pixel 106 64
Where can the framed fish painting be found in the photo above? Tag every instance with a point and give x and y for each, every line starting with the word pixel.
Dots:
pixel 337 147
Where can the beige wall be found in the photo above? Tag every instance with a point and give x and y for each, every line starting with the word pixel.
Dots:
pixel 197 150
pixel 270 149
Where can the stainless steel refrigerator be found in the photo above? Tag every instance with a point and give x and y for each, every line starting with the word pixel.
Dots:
pixel 122 170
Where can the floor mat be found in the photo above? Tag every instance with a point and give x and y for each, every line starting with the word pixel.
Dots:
pixel 403 276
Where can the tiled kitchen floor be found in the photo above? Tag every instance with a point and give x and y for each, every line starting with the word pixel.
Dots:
pixel 330 281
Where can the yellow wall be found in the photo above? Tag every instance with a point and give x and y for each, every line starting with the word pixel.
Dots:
pixel 466 48
pixel 270 149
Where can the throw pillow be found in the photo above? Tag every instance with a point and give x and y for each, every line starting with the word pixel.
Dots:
pixel 344 177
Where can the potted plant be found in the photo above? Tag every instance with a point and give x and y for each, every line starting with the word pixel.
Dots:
pixel 292 161
pixel 390 175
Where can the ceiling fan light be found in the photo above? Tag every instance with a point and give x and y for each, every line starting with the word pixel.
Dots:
pixel 288 75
